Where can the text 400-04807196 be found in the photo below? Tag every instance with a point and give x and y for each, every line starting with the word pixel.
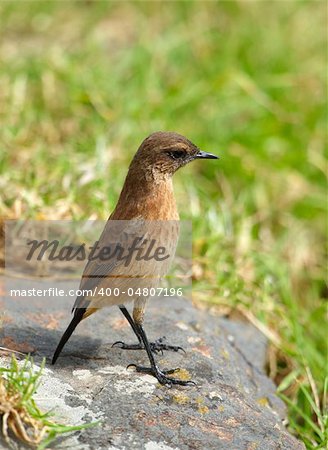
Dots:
pixel 131 292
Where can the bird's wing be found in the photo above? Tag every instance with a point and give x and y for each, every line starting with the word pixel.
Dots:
pixel 122 232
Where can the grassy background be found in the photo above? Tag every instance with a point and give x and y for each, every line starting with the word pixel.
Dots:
pixel 82 83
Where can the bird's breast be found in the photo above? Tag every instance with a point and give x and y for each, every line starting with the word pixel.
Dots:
pixel 151 201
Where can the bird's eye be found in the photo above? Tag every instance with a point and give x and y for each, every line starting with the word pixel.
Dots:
pixel 176 154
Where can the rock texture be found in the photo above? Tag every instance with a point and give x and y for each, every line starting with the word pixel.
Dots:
pixel 233 406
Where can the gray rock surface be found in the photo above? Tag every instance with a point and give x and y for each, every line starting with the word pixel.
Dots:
pixel 233 406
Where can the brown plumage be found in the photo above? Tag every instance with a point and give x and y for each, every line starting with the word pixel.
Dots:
pixel 147 208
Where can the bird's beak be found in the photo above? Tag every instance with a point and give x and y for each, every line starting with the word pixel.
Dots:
pixel 204 155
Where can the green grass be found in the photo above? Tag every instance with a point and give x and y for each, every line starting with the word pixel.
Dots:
pixel 84 82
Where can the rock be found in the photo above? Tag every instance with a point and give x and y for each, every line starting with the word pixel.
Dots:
pixel 233 406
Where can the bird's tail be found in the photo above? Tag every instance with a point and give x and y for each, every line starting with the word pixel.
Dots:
pixel 78 316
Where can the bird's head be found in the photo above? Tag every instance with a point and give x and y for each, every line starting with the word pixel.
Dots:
pixel 162 153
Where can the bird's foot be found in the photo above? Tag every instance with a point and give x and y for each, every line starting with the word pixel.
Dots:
pixel 159 345
pixel 161 375
pixel 156 347
pixel 125 346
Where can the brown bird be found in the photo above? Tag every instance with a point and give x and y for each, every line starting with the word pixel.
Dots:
pixel 146 209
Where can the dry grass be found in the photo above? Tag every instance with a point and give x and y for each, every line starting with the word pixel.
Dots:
pixel 19 415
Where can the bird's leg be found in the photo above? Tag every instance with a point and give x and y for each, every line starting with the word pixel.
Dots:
pixel 156 346
pixel 121 344
pixel 154 370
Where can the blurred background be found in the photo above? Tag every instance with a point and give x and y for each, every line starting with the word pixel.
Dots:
pixel 83 83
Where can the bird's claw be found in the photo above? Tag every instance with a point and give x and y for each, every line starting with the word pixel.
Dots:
pixel 161 375
pixel 131 365
pixel 149 370
pixel 116 344
pixel 157 346
pixel 121 344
